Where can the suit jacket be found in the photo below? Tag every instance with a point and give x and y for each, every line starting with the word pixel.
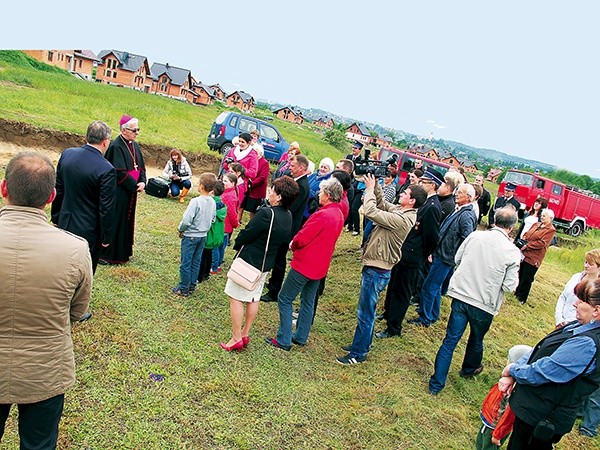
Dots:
pixel 501 202
pixel 423 237
pixel 299 205
pixel 85 192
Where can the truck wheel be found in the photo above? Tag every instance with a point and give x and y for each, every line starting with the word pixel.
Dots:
pixel 226 147
pixel 576 230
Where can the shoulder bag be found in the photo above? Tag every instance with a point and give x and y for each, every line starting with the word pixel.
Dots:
pixel 244 274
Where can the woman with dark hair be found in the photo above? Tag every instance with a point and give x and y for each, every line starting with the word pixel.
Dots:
pixel 243 153
pixel 252 246
pixel 556 376
pixel 536 241
pixel 178 173
pixel 532 215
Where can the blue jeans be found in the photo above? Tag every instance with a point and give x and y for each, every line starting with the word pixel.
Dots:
pixel 295 283
pixel 431 292
pixel 177 185
pixel 191 256
pixel 371 285
pixel 591 415
pixel 479 321
pixel 218 253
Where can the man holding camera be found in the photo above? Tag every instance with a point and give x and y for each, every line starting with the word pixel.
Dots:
pixel 381 252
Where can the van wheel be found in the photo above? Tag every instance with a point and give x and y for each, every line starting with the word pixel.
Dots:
pixel 576 230
pixel 226 147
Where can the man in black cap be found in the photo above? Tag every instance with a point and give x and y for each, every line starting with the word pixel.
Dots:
pixel 355 155
pixel 419 244
pixel 507 199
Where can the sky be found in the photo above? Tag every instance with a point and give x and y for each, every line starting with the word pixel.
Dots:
pixel 520 77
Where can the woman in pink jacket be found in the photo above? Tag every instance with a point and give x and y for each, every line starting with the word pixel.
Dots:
pixel 230 199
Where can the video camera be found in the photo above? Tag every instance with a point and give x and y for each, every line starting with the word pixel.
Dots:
pixel 375 167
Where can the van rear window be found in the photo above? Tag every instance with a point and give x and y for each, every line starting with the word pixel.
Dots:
pixel 221 118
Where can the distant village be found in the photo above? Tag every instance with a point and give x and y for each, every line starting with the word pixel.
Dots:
pixel 124 69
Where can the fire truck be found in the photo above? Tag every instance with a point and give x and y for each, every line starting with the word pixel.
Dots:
pixel 575 210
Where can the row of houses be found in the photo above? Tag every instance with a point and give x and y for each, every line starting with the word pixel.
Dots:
pixel 359 132
pixel 124 69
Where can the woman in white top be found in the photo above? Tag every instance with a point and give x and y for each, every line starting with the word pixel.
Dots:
pixel 178 173
pixel 533 215
pixel 565 306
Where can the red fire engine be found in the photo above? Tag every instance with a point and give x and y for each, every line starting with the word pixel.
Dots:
pixel 575 210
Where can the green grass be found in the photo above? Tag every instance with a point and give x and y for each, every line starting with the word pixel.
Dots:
pixel 52 98
pixel 262 398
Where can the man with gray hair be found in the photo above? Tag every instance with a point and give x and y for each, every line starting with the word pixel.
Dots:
pixel 453 231
pixel 85 191
pixel 487 267
pixel 45 285
pixel 313 248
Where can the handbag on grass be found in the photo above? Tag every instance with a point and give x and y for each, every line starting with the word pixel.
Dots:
pixel 245 274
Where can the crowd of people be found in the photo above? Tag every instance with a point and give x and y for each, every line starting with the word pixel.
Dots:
pixel 419 240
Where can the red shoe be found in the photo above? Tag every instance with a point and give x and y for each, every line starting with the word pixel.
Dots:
pixel 246 340
pixel 238 346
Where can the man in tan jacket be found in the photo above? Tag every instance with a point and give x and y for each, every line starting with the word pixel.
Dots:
pixel 381 252
pixel 45 285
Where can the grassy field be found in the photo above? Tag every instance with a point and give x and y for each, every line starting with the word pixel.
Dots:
pixel 51 98
pixel 262 398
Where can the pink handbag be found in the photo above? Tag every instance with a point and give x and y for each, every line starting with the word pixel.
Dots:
pixel 244 274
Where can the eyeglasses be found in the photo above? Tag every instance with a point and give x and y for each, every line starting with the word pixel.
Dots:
pixel 133 130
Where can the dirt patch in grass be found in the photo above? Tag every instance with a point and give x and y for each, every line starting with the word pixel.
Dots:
pixel 19 136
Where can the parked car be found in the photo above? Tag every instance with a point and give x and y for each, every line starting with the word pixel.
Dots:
pixel 230 124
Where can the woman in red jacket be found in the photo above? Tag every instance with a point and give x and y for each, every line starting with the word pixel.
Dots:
pixel 538 240
pixel 258 190
pixel 313 248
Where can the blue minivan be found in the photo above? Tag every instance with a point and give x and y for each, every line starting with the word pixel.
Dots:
pixel 230 124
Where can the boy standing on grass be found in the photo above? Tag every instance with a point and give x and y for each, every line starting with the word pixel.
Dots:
pixel 215 235
pixel 197 219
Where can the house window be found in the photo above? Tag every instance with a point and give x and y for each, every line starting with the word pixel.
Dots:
pixel 80 63
pixel 114 74
pixel 50 55
pixel 164 79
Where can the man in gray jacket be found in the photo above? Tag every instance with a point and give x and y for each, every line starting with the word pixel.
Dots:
pixel 381 253
pixel 487 267
pixel 45 286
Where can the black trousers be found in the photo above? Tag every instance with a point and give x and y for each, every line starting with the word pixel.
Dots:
pixel 278 271
pixel 423 271
pixel 354 224
pixel 522 438
pixel 526 276
pixel 205 264
pixel 403 281
pixel 38 422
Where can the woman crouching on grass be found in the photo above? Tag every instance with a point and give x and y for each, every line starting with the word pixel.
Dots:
pixel 253 249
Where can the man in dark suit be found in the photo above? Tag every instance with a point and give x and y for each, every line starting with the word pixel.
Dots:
pixel 355 155
pixel 85 190
pixel 507 199
pixel 298 169
pixel 484 201
pixel 419 244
